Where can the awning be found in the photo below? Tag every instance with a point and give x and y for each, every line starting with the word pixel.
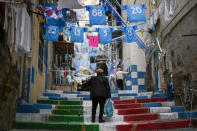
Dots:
pixel 71 4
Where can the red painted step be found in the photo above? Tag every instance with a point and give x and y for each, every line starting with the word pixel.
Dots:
pixel 141 117
pixel 133 111
pixel 125 106
pixel 153 125
pixel 146 100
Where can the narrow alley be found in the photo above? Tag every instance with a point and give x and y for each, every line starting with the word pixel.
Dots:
pixel 98 65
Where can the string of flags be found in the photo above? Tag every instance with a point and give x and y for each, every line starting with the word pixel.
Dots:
pixel 56 22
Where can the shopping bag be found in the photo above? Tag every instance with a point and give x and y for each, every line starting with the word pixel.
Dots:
pixel 109 108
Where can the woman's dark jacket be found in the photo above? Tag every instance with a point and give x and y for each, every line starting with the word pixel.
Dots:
pixel 98 87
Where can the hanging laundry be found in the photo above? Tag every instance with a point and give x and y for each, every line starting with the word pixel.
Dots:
pixel 25 42
pixel 54 16
pixel 49 10
pixel 105 35
pixel 7 14
pixel 64 11
pixel 96 15
pixel 56 22
pixel 70 24
pixel 93 41
pixel 52 33
pixel 18 23
pixel 82 14
pixel 135 12
pixel 13 14
pixel 77 34
pixel 130 35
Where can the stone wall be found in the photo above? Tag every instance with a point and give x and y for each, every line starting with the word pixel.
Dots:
pixel 9 83
pixel 180 51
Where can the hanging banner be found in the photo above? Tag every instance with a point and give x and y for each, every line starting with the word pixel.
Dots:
pixel 96 15
pixel 135 12
pixel 49 10
pixel 52 33
pixel 130 35
pixel 105 35
pixel 77 34
pixel 82 60
pixel 54 16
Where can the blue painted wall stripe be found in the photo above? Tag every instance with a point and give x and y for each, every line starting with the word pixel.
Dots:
pixel 32 75
pixel 28 84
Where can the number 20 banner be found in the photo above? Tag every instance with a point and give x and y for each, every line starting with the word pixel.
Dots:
pixel 135 12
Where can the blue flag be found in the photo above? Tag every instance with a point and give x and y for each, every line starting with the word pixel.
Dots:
pixel 135 12
pixel 130 35
pixel 105 35
pixel 96 15
pixel 52 33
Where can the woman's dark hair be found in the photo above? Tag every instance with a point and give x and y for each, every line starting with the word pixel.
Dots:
pixel 99 72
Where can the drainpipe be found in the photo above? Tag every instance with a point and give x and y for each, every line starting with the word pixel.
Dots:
pixel 21 76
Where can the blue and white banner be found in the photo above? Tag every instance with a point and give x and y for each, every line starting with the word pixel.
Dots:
pixel 77 34
pixel 135 12
pixel 96 15
pixel 105 35
pixel 52 33
pixel 130 35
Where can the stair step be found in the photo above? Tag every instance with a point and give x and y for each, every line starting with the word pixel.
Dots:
pixel 118 126
pixel 160 116
pixel 55 126
pixel 68 111
pixel 68 107
pixel 61 118
pixel 156 125
pixel 140 100
pixel 60 102
pixel 36 117
pixel 150 110
pixel 137 105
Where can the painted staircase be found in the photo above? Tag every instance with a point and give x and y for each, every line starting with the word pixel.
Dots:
pixel 63 110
